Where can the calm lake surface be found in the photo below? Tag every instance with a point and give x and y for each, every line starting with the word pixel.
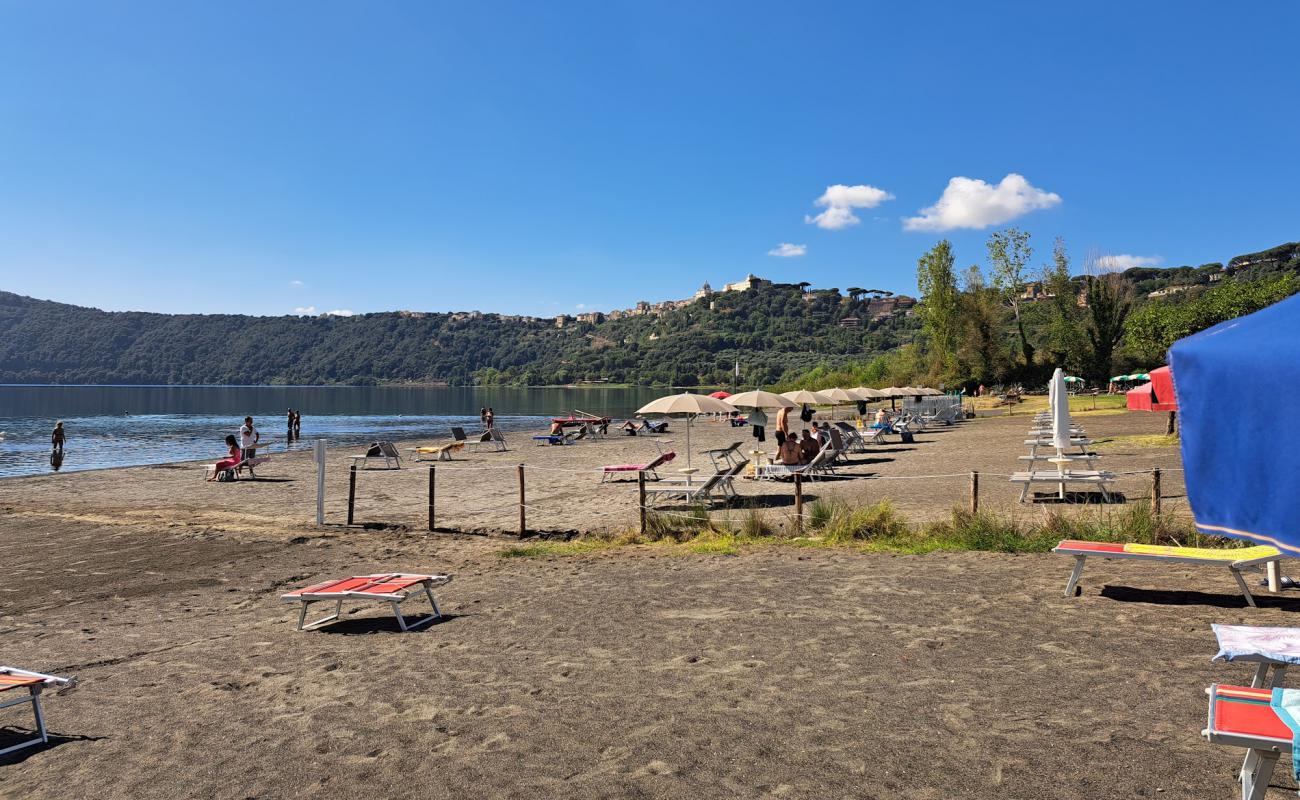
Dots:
pixel 117 426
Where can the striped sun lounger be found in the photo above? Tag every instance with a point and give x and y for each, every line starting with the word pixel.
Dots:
pixel 12 678
pixel 1240 716
pixel 392 588
pixel 1235 560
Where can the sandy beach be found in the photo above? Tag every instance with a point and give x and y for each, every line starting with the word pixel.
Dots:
pixel 781 672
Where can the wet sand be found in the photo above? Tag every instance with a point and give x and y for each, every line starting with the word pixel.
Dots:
pixel 636 672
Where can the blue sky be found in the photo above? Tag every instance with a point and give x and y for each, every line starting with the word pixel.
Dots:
pixel 546 157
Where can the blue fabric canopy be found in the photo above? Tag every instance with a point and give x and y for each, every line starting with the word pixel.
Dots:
pixel 1238 387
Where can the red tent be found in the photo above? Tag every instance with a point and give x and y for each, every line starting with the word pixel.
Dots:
pixel 720 395
pixel 1158 395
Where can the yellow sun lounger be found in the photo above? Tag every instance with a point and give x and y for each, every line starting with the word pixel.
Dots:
pixel 1235 560
pixel 440 453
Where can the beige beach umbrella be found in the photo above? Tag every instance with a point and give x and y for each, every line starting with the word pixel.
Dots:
pixel 807 398
pixel 839 397
pixel 685 405
pixel 760 399
pixel 867 393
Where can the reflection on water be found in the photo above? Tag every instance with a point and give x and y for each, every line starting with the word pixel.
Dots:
pixel 109 426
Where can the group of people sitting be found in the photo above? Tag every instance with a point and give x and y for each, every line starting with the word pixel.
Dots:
pixel 800 448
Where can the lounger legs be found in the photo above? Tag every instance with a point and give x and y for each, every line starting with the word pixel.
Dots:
pixel 1075 574
pixel 1256 772
pixel 426 619
pixel 34 697
pixel 1245 590
pixel 303 625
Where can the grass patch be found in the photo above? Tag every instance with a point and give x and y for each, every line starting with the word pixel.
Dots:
pixel 1139 440
pixel 577 547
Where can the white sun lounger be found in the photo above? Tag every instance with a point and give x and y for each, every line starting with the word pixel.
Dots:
pixel 383 452
pixel 1099 478
pixel 12 678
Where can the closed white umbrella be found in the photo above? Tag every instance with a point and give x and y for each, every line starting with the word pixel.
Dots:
pixel 1059 400
pixel 685 405
pixel 760 399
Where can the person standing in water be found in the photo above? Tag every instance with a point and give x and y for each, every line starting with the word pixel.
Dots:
pixel 58 437
pixel 297 424
pixel 289 422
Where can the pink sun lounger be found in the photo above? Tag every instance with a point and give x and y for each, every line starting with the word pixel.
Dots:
pixel 392 588
pixel 34 683
pixel 616 469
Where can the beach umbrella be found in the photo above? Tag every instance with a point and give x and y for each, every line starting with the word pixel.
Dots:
pixel 1240 465
pixel 807 398
pixel 720 395
pixel 839 397
pixel 867 393
pixel 685 405
pixel 1058 400
pixel 761 400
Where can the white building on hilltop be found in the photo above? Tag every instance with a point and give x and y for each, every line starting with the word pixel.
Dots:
pixel 751 281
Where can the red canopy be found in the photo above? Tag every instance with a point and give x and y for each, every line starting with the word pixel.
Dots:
pixel 1158 395
pixel 720 395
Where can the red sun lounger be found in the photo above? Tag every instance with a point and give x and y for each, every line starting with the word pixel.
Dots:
pixel 1235 560
pixel 1243 717
pixel 34 683
pixel 616 469
pixel 392 588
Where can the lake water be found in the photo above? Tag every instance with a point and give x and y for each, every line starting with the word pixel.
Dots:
pixel 115 426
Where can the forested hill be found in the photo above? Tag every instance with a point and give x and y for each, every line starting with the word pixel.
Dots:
pixel 771 331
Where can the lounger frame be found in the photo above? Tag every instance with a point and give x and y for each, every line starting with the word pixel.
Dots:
pixel 1262 752
pixel 420 584
pixel 1235 567
pixel 39 681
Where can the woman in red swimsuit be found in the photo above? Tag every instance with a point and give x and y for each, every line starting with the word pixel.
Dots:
pixel 231 462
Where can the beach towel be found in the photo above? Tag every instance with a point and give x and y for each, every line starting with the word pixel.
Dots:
pixel 1286 704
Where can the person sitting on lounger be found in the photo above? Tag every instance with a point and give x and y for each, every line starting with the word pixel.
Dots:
pixel 882 419
pixel 629 427
pixel 808 447
pixel 789 453
pixel 235 455
pixel 557 428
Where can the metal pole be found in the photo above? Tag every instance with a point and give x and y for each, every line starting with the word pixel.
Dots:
pixel 974 492
pixel 352 492
pixel 430 497
pixel 1155 491
pixel 320 482
pixel 798 503
pixel 523 521
pixel 640 488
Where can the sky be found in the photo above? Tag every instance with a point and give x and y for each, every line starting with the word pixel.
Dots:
pixel 547 158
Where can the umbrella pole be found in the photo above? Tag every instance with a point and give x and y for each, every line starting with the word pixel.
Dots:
pixel 689 471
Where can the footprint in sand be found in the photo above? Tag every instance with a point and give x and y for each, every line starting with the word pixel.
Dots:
pixel 653 768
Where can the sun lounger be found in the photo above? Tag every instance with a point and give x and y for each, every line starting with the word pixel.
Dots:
pixel 392 588
pixel 727 455
pixel 1241 716
pixel 1089 459
pixel 1099 478
pixel 820 463
pixel 14 679
pixel 1235 560
pixel 695 489
pixel 612 470
pixel 439 453
pixel 852 437
pixel 726 479
pixel 383 452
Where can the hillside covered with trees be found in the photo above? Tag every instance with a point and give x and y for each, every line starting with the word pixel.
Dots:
pixel 770 331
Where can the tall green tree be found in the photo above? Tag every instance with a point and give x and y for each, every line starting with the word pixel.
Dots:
pixel 940 305
pixel 1109 304
pixel 1009 252
pixel 1066 343
pixel 982 344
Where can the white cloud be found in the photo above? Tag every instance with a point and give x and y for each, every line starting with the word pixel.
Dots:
pixel 840 200
pixel 339 312
pixel 787 250
pixel 1123 261
pixel 971 203
pixel 307 310
pixel 580 306
pixel 295 283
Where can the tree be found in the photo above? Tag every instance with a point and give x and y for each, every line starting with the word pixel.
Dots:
pixel 1108 307
pixel 1009 252
pixel 982 314
pixel 1066 343
pixel 940 304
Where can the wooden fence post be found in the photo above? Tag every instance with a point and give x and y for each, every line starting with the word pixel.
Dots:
pixel 974 492
pixel 640 488
pixel 432 527
pixel 1155 491
pixel 352 492
pixel 798 504
pixel 523 520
